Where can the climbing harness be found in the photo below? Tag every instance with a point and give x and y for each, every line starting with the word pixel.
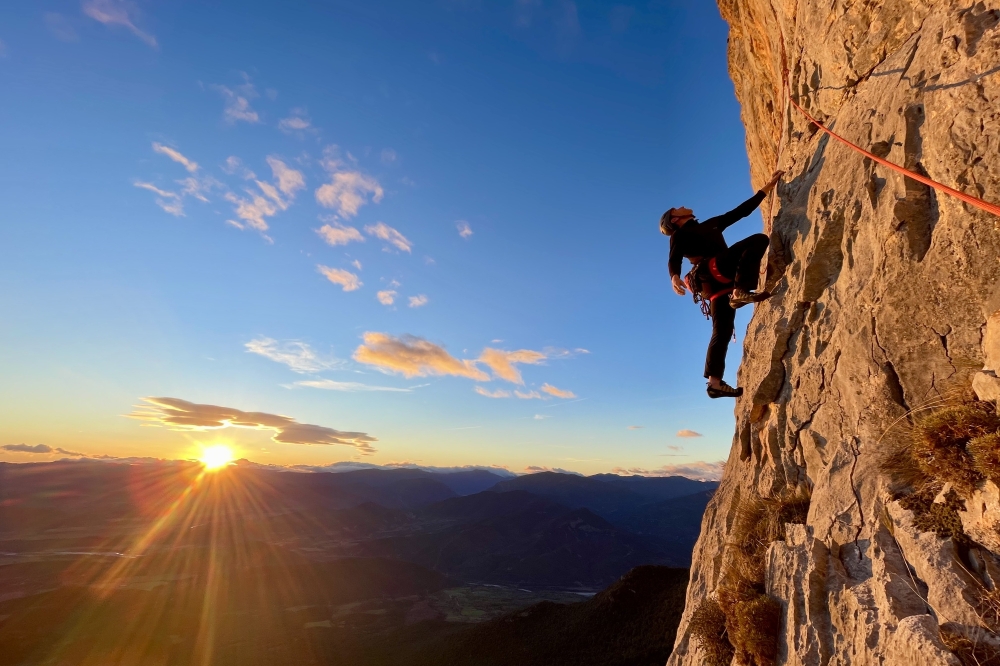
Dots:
pixel 707 284
pixel 967 198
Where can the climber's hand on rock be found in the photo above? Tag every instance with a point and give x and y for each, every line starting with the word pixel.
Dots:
pixel 678 284
pixel 774 181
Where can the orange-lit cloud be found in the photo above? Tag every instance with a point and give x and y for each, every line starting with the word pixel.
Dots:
pixel 499 393
pixel 699 471
pixel 411 356
pixel 384 232
pixel 418 301
pixel 502 362
pixel 387 297
pixel 255 210
pixel 688 433
pixel 559 393
pixel 176 156
pixel 39 449
pixel 346 279
pixel 464 230
pixel 348 189
pixel 169 201
pixel 338 234
pixel 178 414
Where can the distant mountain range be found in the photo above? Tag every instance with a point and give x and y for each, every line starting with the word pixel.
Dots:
pixel 317 567
pixel 547 529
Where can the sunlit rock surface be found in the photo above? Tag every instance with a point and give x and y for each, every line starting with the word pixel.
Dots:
pixel 883 290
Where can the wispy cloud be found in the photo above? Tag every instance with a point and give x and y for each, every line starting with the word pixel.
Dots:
pixel 297 355
pixel 502 362
pixel 117 13
pixel 464 230
pixel 418 301
pixel 178 414
pixel 339 234
pixel 297 124
pixel 699 471
pixel 389 156
pixel 289 180
pixel 384 232
pixel 348 189
pixel 273 197
pixel 170 202
pixel 348 387
pixel 688 433
pixel 252 211
pixel 346 279
pixel 387 297
pixel 529 395
pixel 411 356
pixel 499 393
pixel 40 449
pixel 635 427
pixel 236 100
pixel 541 417
pixel 176 156
pixel 531 469
pixel 559 393
pixel 234 165
pixel 195 185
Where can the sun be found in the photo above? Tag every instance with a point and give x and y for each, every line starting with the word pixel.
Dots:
pixel 216 456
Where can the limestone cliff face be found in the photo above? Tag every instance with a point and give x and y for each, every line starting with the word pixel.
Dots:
pixel 883 289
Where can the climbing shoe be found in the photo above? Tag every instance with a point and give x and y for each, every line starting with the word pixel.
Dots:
pixel 741 297
pixel 724 391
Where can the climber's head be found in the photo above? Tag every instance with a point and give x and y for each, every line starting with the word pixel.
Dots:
pixel 674 219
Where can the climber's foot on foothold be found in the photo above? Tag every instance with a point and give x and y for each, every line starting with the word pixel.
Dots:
pixel 724 390
pixel 741 297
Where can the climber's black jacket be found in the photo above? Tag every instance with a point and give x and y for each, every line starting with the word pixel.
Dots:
pixel 703 240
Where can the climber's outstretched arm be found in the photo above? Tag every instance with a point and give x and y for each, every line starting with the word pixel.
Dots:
pixel 750 205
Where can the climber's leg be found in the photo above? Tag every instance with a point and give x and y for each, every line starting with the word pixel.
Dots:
pixel 741 262
pixel 723 322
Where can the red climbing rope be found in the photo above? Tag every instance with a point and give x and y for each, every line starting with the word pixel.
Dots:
pixel 967 198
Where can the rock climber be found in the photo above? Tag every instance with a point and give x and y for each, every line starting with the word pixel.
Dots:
pixel 722 279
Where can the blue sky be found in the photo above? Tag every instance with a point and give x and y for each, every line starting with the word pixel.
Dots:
pixel 216 203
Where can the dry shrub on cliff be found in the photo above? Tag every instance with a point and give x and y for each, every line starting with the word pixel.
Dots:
pixel 938 517
pixel 753 621
pixel 708 628
pixel 940 439
pixel 980 652
pixel 985 452
pixel 759 522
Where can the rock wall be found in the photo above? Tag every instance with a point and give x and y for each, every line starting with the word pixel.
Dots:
pixel 883 289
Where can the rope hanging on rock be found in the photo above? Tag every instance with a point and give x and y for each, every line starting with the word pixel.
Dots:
pixel 967 198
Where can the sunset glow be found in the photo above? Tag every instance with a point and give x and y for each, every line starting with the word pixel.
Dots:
pixel 216 457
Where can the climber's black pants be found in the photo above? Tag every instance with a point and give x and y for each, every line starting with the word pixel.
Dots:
pixel 741 262
pixel 723 322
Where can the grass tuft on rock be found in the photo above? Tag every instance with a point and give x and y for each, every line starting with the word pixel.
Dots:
pixel 708 627
pixel 940 439
pixel 759 522
pixel 983 652
pixel 985 452
pixel 939 517
pixel 753 622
